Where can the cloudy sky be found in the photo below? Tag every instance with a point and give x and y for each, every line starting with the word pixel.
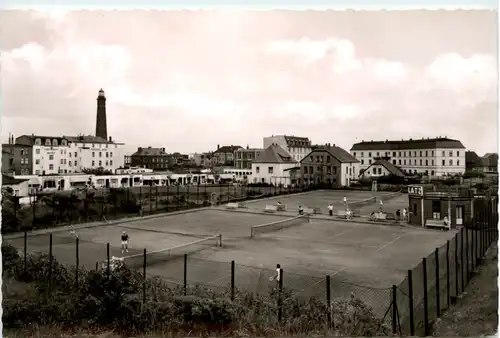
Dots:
pixel 189 80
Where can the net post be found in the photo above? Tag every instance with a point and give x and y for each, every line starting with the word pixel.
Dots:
pixel 220 240
pixel 50 263
pixel 252 232
pixel 438 305
pixel 144 279
pixel 410 302
pixel 394 309
pixel 426 300
pixel 96 266
pixel 329 301
pixel 25 253
pixel 232 280
pixel 77 262
pixel 448 292
pixel 107 261
pixel 185 273
pixel 280 295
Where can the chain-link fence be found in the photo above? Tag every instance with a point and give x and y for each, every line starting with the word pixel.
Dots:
pixel 435 283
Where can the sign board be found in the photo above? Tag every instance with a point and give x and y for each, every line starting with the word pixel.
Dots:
pixel 416 190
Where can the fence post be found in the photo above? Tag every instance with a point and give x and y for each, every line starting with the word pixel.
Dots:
pixel 185 273
pixel 50 263
pixel 107 261
pixel 328 301
pixel 473 247
pixel 438 305
pixel 410 303
pixel 77 261
pixel 96 266
pixel 232 280
pixel 198 194
pixel 53 208
pixel 34 210
pixel 280 295
pixel 177 197
pixel 394 309
pixel 426 300
pixel 25 253
pixel 144 279
pixel 462 271
pixel 156 198
pixel 467 276
pixel 187 196
pixel 448 293
pixel 102 203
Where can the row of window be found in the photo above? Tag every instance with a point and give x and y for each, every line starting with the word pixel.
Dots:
pixel 329 170
pixel 55 142
pixel 110 154
pixel 410 153
pixel 420 163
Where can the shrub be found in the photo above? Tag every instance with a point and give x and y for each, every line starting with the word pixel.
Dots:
pixel 114 302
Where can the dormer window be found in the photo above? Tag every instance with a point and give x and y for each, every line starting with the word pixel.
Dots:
pixel 38 142
pixel 47 142
pixel 64 142
pixel 54 142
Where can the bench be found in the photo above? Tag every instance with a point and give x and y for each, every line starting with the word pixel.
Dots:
pixel 232 206
pixel 345 214
pixel 308 211
pixel 317 211
pixel 378 216
pixel 281 207
pixel 436 223
pixel 242 205
pixel 271 208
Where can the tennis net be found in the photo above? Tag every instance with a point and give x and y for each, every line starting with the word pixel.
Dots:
pixel 278 225
pixel 363 202
pixel 165 255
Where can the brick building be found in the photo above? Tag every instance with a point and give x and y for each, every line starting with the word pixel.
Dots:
pixel 244 157
pixel 17 158
pixel 225 155
pixel 330 165
pixel 151 158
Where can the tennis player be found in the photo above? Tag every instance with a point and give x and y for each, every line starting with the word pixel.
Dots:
pixel 330 209
pixel 124 242
pixel 73 234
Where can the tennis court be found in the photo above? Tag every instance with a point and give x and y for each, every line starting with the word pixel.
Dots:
pixel 321 199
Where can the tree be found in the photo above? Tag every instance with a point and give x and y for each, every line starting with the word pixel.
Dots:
pixel 10 206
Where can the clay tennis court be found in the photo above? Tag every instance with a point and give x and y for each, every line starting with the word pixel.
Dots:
pixel 319 199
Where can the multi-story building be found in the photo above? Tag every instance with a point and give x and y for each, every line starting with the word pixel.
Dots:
pixel 329 165
pixel 71 154
pixel 298 147
pixel 127 161
pixel 490 162
pixel 17 158
pixel 275 166
pixel 435 157
pixel 243 157
pixel 151 158
pixel 204 160
pixel 225 155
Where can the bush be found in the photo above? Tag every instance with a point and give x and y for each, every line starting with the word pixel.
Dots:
pixel 114 302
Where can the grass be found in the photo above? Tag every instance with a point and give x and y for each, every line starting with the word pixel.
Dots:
pixel 476 312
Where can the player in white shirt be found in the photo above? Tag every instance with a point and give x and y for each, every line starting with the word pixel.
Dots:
pixel 330 209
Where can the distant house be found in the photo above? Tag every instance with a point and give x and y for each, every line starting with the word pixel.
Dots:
pixel 275 166
pixel 151 158
pixel 20 186
pixel 381 168
pixel 243 157
pixel 490 162
pixel 486 164
pixel 225 155
pixel 330 165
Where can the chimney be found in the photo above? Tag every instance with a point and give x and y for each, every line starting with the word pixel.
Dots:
pixel 110 139
pixel 248 147
pixel 163 149
pixel 101 129
pixel 139 149
pixel 218 146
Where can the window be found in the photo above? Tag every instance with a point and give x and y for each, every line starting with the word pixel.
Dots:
pixel 362 161
pixel 93 145
pixel 414 154
pixel 404 162
pixel 328 158
pixel 257 170
pixel 380 171
pixel 51 157
pixel 370 161
pixel 106 163
pixel 458 162
pixel 444 163
pixel 93 154
pixel 420 153
pixel 426 153
pixel 107 154
pixel 93 163
pixel 51 167
pixel 443 153
pixel 270 170
pixel 426 162
pixel 100 163
pixel 100 154
pixel 54 142
pixel 451 162
pixel 432 162
pixel 37 172
pixel 451 153
pixel 75 163
pixel 69 163
pixel 369 154
pixel 75 153
pixel 37 151
pixel 393 154
pixel 399 161
pixel 420 162
pixel 70 154
pixel 305 170
pixel 47 142
pixel 458 153
pixel 361 154
pixel 378 154
pixel 37 161
pixel 374 171
pixel 62 161
pixel 354 154
pixel 432 153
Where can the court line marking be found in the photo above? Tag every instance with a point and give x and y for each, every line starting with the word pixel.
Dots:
pixel 390 242
pixel 312 241
pixel 341 233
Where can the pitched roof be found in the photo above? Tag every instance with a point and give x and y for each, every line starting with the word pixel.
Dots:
pixel 473 159
pixel 297 142
pixel 429 143
pixel 227 149
pixel 275 154
pixel 389 166
pixel 87 139
pixel 150 151
pixel 9 180
pixel 340 154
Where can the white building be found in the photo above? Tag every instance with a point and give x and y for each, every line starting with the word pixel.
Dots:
pixel 239 175
pixel 433 157
pixel 296 146
pixel 275 166
pixel 381 168
pixel 72 154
